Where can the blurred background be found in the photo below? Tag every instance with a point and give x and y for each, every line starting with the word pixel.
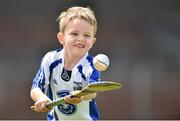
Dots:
pixel 141 38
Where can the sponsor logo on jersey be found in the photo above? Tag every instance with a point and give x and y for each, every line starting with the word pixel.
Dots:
pixel 65 108
pixel 55 81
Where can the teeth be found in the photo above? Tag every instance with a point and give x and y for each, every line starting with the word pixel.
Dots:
pixel 79 45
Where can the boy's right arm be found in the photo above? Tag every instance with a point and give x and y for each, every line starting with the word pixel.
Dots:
pixel 40 100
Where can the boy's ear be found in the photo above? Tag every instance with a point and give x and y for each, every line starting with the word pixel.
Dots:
pixel 60 37
pixel 94 40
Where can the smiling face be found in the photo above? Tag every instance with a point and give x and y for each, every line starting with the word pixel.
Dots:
pixel 77 38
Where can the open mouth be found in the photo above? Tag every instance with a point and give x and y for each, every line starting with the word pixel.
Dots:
pixel 79 45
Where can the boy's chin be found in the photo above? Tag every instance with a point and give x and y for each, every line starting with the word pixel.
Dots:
pixel 79 54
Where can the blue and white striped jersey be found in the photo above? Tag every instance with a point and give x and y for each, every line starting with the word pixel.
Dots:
pixel 55 83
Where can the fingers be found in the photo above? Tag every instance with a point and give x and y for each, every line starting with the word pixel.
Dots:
pixel 37 109
pixel 41 107
pixel 73 100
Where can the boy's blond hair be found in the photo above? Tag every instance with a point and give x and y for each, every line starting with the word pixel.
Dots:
pixel 77 12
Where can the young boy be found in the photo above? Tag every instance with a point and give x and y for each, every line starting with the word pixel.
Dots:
pixel 69 69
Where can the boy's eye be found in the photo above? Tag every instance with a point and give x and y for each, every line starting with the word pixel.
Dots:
pixel 87 35
pixel 74 33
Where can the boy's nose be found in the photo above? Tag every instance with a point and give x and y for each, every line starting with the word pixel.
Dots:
pixel 81 38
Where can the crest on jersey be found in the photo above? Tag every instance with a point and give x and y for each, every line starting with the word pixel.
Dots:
pixel 66 75
pixel 77 86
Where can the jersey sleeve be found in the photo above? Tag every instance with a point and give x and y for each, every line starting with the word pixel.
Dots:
pixel 95 76
pixel 41 79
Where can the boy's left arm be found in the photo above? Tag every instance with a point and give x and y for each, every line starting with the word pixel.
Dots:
pixel 89 96
pixel 75 100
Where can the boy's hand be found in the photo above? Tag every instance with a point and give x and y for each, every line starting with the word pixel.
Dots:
pixel 76 100
pixel 73 100
pixel 40 106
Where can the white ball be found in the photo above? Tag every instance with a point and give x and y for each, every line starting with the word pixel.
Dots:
pixel 101 62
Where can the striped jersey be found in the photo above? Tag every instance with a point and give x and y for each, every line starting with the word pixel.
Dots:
pixel 57 82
